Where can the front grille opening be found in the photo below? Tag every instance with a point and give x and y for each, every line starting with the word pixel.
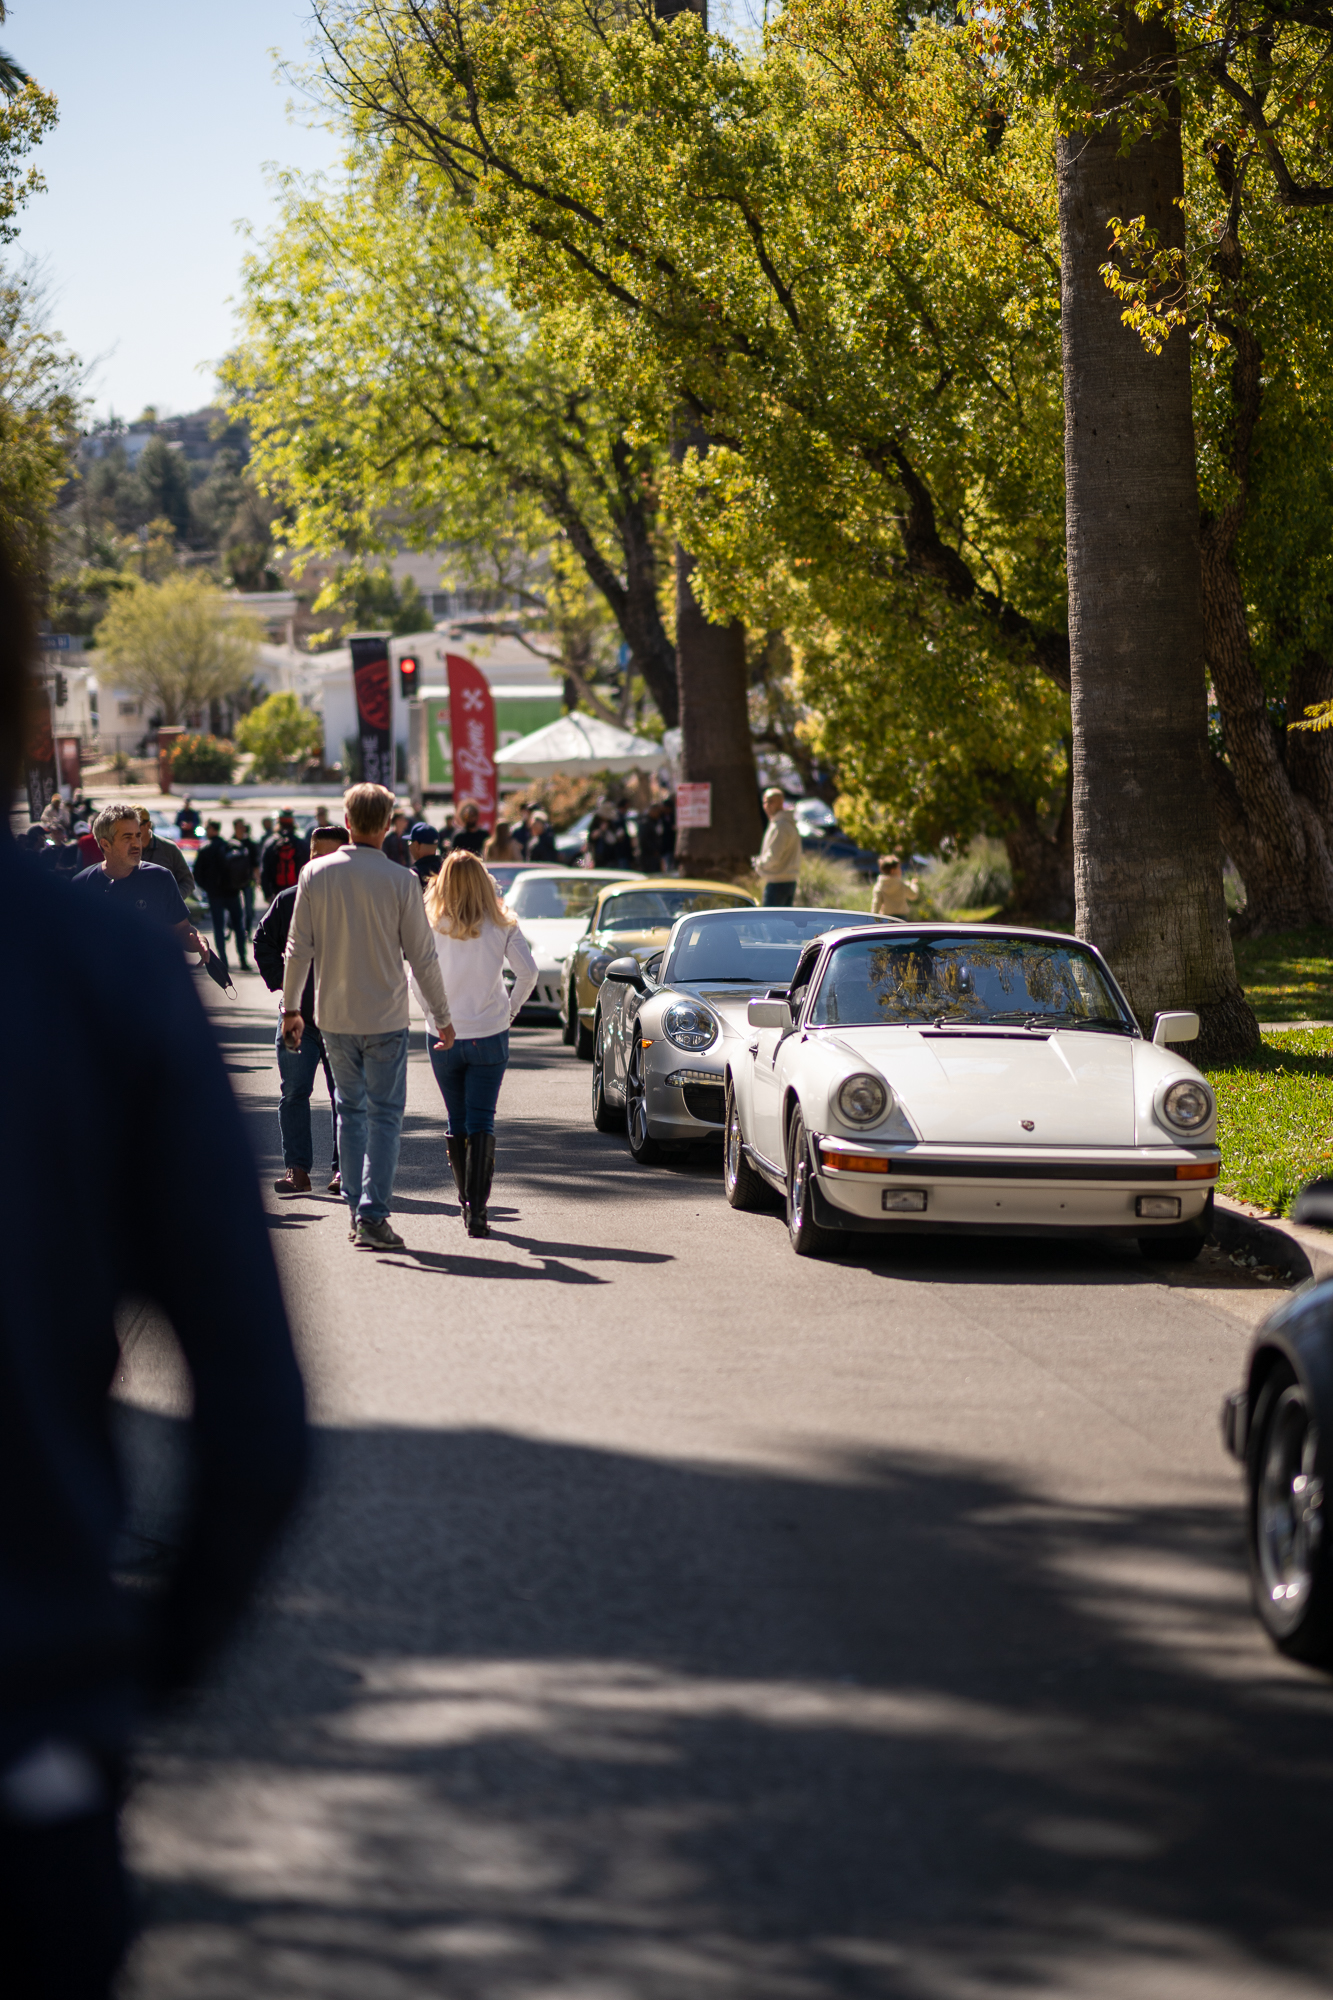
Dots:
pixel 705 1101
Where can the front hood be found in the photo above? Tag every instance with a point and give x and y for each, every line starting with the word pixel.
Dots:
pixel 618 942
pixel 1076 1089
pixel 729 1003
pixel 552 938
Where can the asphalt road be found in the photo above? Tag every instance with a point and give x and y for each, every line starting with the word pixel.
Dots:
pixel 670 1619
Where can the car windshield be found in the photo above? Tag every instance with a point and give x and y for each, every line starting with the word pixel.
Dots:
pixel 657 909
pixel 552 896
pixel 502 873
pixel 760 946
pixel 969 980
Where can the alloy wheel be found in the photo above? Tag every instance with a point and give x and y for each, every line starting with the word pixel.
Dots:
pixel 1288 1512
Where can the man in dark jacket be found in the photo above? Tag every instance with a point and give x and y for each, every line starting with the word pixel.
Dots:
pixel 542 849
pixel 283 858
pixel 296 1067
pixel 83 1661
pixel 423 851
pixel 222 870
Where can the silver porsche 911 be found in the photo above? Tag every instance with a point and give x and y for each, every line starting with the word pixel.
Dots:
pixel 668 1016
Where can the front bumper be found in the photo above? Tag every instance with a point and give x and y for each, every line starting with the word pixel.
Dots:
pixel 1130 1192
pixel 691 1108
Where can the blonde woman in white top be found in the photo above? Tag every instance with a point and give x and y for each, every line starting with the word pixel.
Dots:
pixel 475 938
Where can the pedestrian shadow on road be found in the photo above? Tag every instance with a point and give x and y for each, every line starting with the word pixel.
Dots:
pixel 522 1716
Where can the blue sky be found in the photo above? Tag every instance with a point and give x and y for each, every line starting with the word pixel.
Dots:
pixel 169 111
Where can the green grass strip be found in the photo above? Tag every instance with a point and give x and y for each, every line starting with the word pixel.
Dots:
pixel 1275 1117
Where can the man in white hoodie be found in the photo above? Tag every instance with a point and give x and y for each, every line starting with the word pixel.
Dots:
pixel 778 862
pixel 356 918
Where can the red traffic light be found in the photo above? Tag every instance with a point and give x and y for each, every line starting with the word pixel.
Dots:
pixel 407 675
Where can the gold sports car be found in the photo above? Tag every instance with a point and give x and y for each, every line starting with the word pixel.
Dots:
pixel 626 916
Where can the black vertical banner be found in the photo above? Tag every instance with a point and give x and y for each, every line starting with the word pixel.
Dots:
pixel 374 710
pixel 39 753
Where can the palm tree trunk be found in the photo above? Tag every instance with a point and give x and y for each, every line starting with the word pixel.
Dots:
pixel 1147 856
pixel 716 748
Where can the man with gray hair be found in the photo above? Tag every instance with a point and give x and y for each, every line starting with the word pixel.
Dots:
pixel 778 862
pixel 133 884
pixel 356 918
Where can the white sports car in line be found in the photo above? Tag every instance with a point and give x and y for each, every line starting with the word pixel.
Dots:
pixel 957 1078
pixel 552 906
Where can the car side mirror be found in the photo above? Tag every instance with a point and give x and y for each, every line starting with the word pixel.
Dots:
pixel 628 971
pixel 769 1014
pixel 1181 1027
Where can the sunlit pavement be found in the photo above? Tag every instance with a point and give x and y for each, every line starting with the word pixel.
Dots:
pixel 670 1617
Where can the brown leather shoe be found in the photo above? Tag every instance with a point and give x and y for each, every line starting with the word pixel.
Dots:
pixel 336 1184
pixel 295 1181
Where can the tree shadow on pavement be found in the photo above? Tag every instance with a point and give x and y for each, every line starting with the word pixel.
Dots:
pixel 523 1718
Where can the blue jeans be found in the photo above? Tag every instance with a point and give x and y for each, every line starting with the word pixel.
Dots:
pixel 777 895
pixel 296 1073
pixel 220 908
pixel 370 1072
pixel 469 1075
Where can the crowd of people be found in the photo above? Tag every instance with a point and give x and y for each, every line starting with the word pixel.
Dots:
pixel 354 914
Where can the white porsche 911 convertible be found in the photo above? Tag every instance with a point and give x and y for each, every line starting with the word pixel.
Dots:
pixel 967 1079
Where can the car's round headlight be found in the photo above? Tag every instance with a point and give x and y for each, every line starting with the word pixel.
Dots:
pixel 862 1099
pixel 689 1026
pixel 597 968
pixel 1188 1105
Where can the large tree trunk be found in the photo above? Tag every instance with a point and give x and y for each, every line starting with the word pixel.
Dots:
pixel 1284 856
pixel 716 748
pixel 1147 857
pixel 1042 865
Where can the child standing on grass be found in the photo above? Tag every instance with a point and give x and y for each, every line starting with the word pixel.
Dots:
pixel 892 896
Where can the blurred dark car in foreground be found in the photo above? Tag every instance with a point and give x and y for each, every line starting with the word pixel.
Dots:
pixel 1278 1424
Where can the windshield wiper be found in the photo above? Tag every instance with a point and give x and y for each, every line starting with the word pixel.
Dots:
pixel 1062 1018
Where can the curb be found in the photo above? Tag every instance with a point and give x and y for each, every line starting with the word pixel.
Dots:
pixel 1291 1247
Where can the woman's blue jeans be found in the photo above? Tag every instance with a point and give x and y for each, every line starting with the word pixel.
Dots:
pixel 469 1075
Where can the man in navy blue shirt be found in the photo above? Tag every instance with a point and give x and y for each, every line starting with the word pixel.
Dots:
pixel 131 884
pixel 83 1660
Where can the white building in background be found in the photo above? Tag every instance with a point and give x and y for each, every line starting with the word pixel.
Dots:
pixel 511 668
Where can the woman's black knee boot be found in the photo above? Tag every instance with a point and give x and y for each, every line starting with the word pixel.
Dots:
pixel 457 1151
pixel 480 1168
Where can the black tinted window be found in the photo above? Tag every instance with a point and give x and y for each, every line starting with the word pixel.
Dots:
pixel 759 945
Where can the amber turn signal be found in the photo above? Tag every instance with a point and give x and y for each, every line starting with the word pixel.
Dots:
pixel 1199 1170
pixel 854 1163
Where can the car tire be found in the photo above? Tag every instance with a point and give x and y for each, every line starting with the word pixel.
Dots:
pixel 582 1039
pixel 1180 1246
pixel 807 1238
pixel 606 1117
pixel 744 1188
pixel 649 1152
pixel 569 1025
pixel 1288 1536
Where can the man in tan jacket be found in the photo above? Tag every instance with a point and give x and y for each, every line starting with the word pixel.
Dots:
pixel 778 862
pixel 357 917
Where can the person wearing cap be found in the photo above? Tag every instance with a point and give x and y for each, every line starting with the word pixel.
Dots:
pixel 89 851
pixel 283 858
pixel 423 850
pixel 297 1067
pixel 159 852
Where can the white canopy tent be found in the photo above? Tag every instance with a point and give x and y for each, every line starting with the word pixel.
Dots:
pixel 578 744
